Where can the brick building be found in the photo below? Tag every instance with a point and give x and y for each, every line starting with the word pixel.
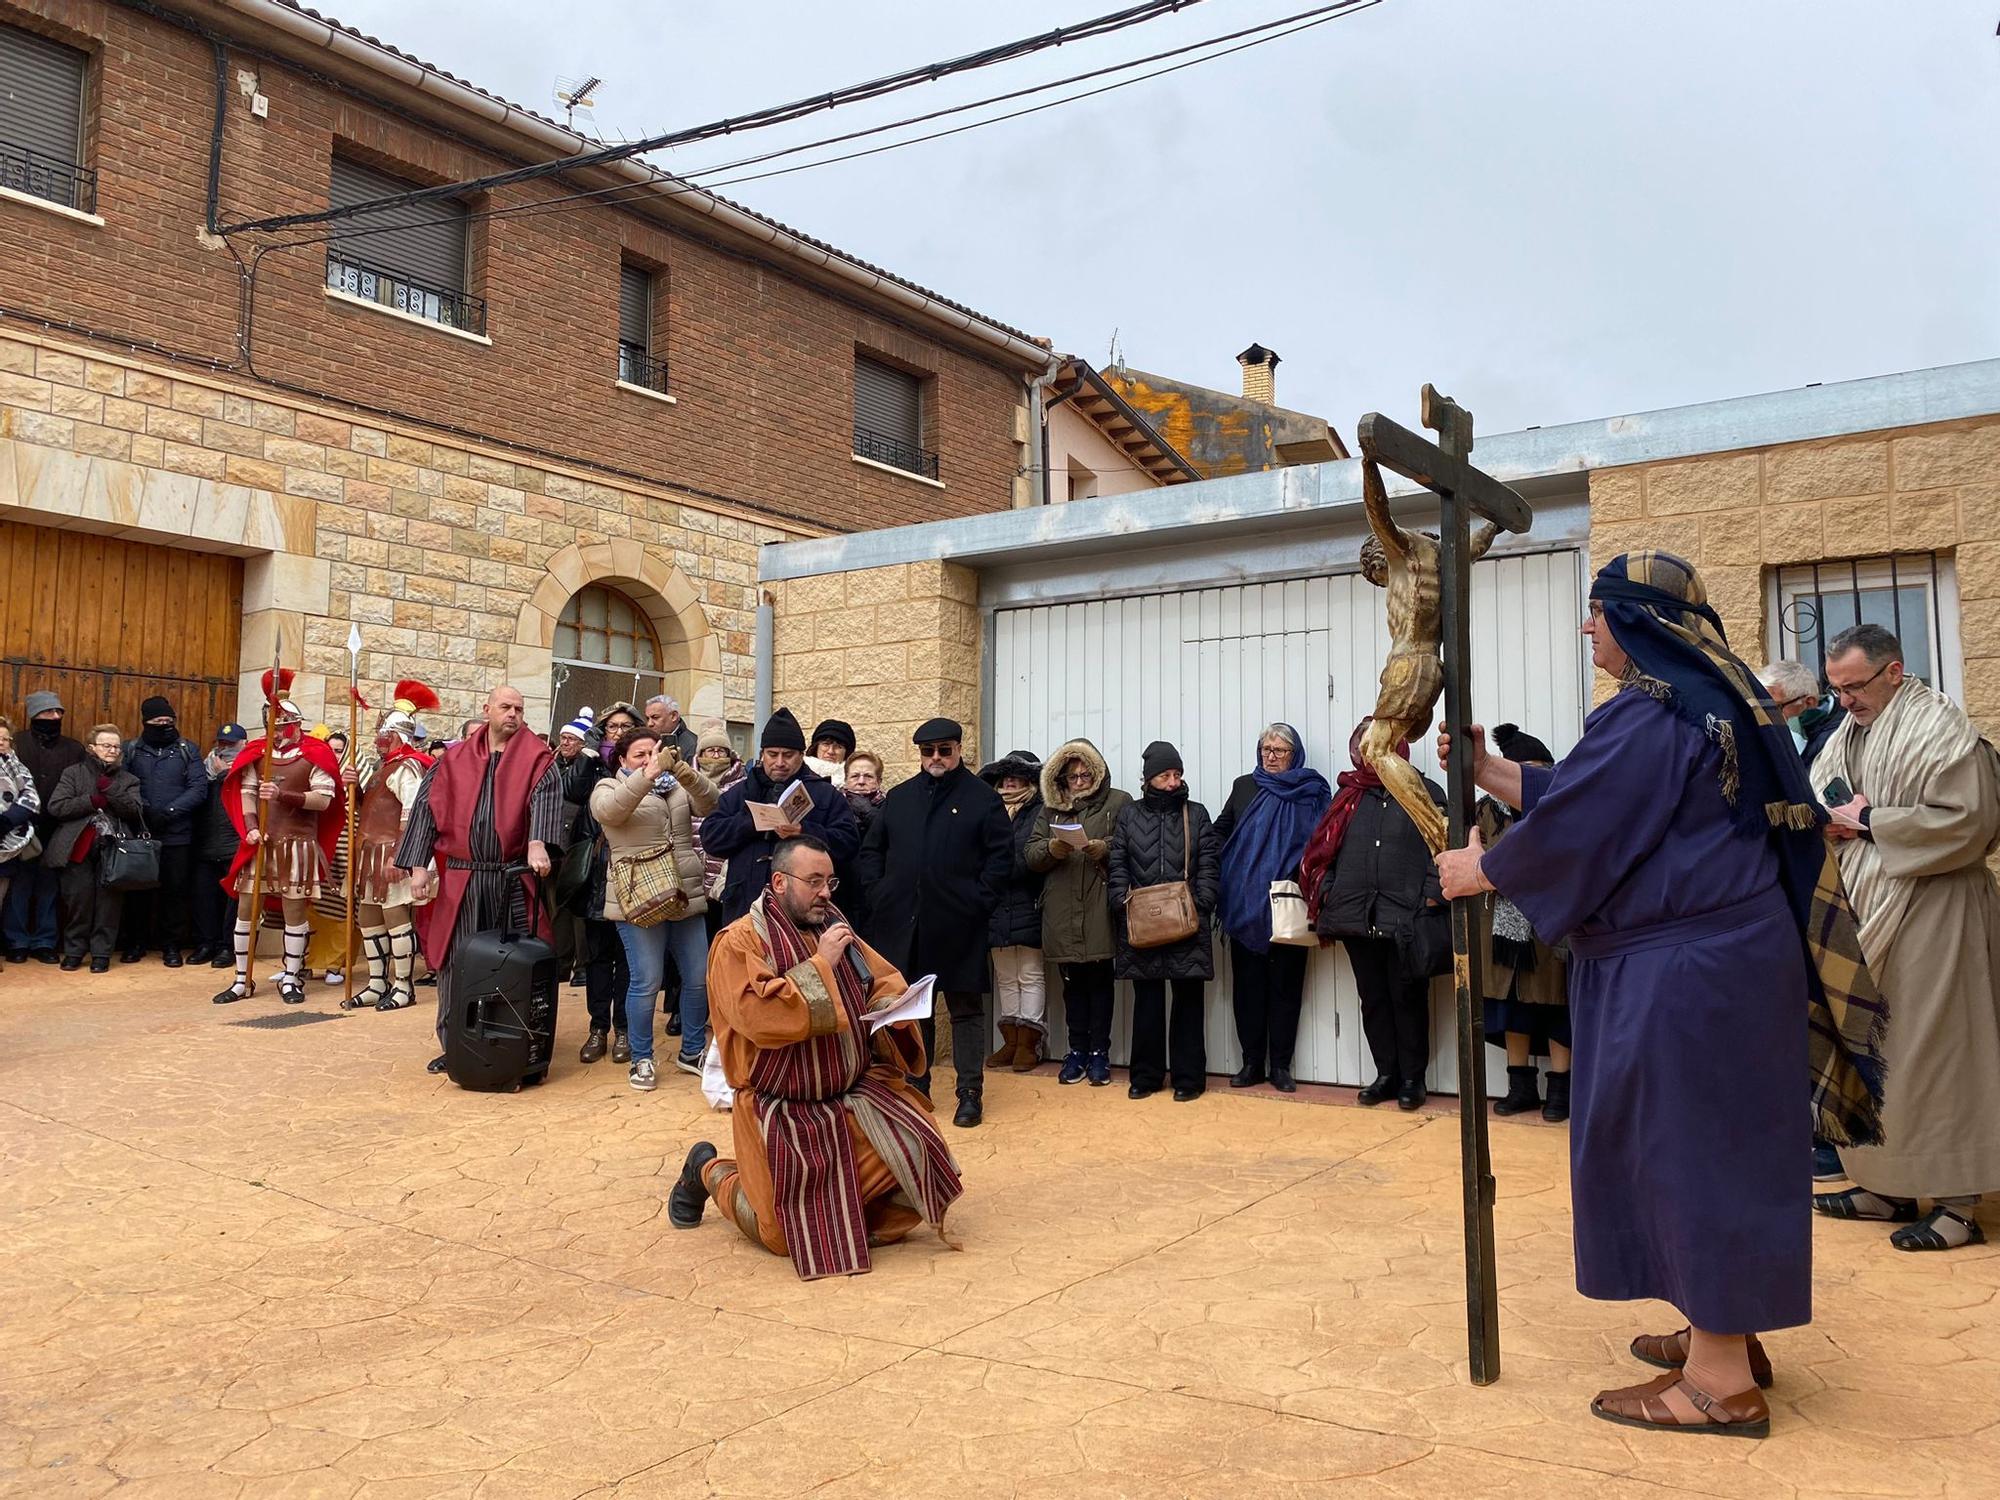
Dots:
pixel 508 441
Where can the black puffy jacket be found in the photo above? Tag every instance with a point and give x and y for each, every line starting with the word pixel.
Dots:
pixel 1146 849
pixel 1017 920
pixel 173 783
pixel 1383 873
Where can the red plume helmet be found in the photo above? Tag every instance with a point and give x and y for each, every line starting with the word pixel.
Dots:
pixel 282 685
pixel 420 697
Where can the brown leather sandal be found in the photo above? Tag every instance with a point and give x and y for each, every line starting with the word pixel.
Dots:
pixel 1669 1351
pixel 1744 1415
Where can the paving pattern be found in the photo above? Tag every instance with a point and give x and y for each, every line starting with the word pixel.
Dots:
pixel 245 1264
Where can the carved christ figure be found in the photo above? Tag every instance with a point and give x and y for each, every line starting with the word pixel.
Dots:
pixel 1405 563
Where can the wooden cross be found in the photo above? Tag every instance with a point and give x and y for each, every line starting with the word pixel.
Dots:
pixel 1444 468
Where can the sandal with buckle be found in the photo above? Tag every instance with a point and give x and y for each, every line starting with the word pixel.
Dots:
pixel 398 998
pixel 1846 1206
pixel 1669 1351
pixel 1925 1235
pixel 1743 1415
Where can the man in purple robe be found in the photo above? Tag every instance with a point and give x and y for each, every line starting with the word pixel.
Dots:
pixel 1716 971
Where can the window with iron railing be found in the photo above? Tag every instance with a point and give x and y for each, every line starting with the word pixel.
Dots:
pixel 405 294
pixel 889 417
pixel 637 367
pixel 636 364
pixel 1912 595
pixel 896 452
pixel 41 120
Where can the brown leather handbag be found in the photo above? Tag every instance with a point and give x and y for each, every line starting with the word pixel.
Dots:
pixel 1157 915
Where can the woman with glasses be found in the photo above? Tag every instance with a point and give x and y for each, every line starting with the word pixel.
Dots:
pixel 1071 844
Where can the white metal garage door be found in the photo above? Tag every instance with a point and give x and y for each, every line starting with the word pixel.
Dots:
pixel 1207 669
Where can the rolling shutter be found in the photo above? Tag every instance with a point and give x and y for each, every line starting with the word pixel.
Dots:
pixel 887 404
pixel 635 312
pixel 41 97
pixel 420 242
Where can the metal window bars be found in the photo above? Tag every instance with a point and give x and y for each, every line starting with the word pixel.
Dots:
pixel 405 294
pixel 50 178
pixel 636 366
pixel 894 452
pixel 1816 601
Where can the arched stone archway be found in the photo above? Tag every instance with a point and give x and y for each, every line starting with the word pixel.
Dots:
pixel 692 652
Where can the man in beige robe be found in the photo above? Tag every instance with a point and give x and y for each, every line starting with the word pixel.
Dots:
pixel 1910 769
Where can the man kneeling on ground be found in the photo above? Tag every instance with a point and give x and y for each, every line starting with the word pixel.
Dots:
pixel 835 1151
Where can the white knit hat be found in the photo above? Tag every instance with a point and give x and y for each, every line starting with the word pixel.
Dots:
pixel 581 725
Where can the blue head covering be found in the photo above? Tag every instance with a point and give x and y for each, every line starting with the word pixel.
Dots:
pixel 1267 841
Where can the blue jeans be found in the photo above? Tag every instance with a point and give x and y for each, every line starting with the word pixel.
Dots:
pixel 30 921
pixel 646 951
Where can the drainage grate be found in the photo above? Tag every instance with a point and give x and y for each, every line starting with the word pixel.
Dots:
pixel 279 1020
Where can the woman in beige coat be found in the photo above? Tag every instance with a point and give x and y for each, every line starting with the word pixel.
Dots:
pixel 647 809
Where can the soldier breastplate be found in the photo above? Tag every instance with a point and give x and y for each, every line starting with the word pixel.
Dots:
pixel 381 813
pixel 283 823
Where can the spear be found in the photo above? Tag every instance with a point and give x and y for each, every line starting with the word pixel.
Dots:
pixel 353 757
pixel 271 692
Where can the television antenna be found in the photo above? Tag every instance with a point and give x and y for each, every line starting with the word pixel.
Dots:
pixel 575 94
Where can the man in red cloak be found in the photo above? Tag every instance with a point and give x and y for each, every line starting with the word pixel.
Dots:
pixel 493 800
pixel 300 828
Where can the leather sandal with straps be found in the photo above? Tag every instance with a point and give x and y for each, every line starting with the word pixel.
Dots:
pixel 1925 1234
pixel 1743 1415
pixel 1669 1351
pixel 1845 1206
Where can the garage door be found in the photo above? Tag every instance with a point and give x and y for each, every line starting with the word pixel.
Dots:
pixel 1207 669
pixel 108 623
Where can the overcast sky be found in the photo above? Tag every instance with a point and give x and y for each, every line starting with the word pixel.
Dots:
pixel 1553 209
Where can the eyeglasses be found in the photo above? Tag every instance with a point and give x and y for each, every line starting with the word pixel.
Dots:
pixel 1851 692
pixel 939 747
pixel 817 884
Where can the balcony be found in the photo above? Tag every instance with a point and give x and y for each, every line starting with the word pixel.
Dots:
pixel 878 447
pixel 636 366
pixel 434 304
pixel 47 177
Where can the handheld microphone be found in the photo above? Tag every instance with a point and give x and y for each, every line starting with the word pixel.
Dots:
pixel 860 965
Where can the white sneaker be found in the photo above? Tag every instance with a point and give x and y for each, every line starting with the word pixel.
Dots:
pixel 642 1077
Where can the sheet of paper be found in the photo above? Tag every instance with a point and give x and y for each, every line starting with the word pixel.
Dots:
pixel 1069 833
pixel 1845 819
pixel 795 802
pixel 915 1005
pixel 765 817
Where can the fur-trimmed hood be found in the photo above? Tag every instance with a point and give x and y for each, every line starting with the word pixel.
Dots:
pixel 1054 793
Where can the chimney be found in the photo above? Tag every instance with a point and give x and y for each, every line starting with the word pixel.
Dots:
pixel 1259 374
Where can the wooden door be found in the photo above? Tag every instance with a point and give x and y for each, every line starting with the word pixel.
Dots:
pixel 108 623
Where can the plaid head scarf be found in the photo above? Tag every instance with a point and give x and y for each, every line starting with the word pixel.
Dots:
pixel 1659 613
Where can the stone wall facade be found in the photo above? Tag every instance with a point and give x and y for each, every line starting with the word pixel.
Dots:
pixel 1741 516
pixel 454 559
pixel 883 649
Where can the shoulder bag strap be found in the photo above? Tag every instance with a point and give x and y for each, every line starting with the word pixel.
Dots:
pixel 1187 851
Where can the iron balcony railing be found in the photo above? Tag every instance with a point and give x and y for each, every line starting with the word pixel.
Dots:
pixel 40 175
pixel 895 452
pixel 636 366
pixel 438 304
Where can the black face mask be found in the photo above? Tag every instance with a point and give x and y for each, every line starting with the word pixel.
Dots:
pixel 48 731
pixel 159 736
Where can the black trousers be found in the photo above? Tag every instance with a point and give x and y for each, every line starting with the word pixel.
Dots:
pixel 214 909
pixel 1267 990
pixel 605 976
pixel 90 913
pixel 161 918
pixel 1395 1012
pixel 1087 995
pixel 968 1041
pixel 1163 1040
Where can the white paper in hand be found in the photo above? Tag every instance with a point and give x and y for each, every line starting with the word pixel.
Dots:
pixel 765 817
pixel 795 802
pixel 915 1005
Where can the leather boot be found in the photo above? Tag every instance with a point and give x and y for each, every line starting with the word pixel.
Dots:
pixel 1556 1110
pixel 593 1048
pixel 688 1198
pixel 1522 1093
pixel 1010 1040
pixel 969 1109
pixel 1027 1049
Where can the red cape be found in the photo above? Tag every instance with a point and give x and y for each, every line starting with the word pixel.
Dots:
pixel 454 794
pixel 332 817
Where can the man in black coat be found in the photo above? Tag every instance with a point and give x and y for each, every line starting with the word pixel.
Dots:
pixel 935 861
pixel 730 833
pixel 173 786
pixel 31 925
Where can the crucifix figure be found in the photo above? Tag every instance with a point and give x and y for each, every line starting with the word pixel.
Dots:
pixel 1429 583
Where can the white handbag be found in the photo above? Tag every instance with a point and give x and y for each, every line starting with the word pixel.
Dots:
pixel 1288 916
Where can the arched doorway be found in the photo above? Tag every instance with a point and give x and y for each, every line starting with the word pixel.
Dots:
pixel 605 649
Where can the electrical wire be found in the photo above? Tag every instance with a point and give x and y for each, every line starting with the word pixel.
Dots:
pixel 780 114
pixel 699 181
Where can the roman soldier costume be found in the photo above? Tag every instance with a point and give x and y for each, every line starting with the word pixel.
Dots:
pixel 389 782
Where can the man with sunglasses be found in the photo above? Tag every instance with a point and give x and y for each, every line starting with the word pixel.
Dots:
pixel 935 861
pixel 1915 793
pixel 731 833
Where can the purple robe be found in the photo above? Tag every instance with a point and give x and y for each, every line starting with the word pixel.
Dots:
pixel 1689 1127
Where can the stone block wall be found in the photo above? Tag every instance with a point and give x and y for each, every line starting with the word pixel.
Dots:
pixel 454 559
pixel 884 649
pixel 1741 516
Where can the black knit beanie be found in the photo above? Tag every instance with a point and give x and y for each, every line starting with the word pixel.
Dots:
pixel 1160 756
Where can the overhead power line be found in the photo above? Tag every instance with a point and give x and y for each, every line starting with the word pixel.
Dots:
pixel 702 180
pixel 756 120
